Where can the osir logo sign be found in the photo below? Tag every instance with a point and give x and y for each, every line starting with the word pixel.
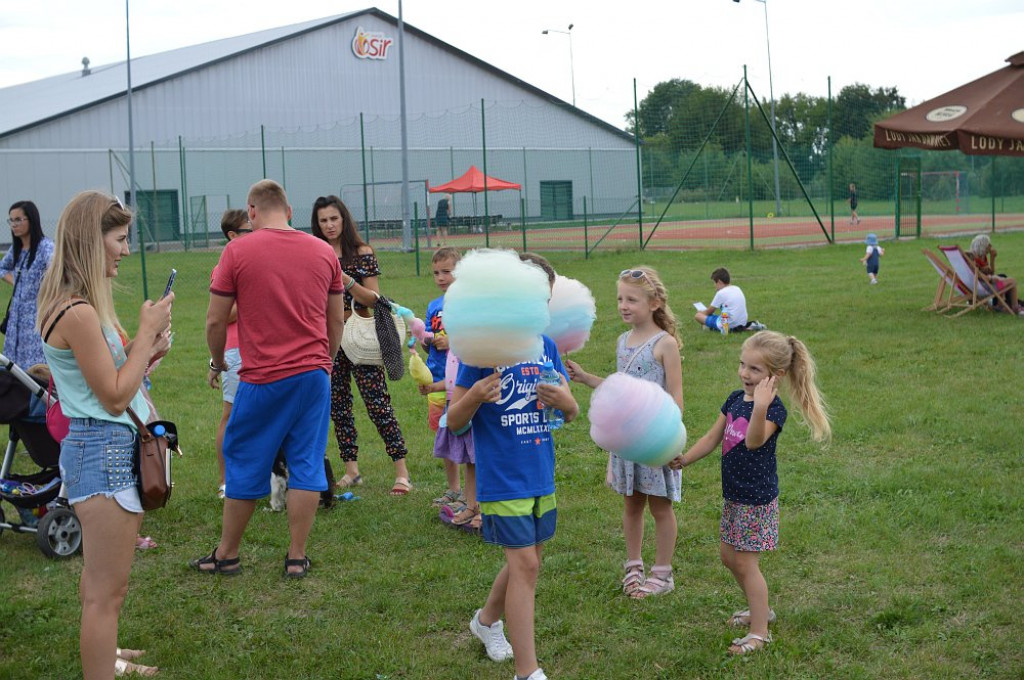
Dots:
pixel 367 45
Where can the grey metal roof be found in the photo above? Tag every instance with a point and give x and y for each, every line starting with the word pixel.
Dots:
pixel 56 96
pixel 44 100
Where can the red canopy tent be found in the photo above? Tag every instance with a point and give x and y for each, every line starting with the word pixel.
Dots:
pixel 983 117
pixel 473 182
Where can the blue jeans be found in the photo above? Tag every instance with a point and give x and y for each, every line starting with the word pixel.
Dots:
pixel 98 457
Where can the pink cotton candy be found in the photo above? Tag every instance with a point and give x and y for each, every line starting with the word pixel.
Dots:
pixel 636 420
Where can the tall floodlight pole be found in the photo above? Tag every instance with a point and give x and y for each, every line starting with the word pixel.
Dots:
pixel 406 227
pixel 131 149
pixel 771 93
pixel 131 133
pixel 572 66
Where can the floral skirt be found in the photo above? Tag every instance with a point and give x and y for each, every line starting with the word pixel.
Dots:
pixel 753 528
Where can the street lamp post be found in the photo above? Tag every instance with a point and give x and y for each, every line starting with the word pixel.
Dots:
pixel 771 94
pixel 572 68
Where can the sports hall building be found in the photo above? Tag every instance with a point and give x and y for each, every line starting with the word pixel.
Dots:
pixel 315 106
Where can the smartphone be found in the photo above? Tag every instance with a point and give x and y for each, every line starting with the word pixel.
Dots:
pixel 170 282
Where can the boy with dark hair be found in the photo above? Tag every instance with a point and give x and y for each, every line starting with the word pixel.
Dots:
pixel 727 296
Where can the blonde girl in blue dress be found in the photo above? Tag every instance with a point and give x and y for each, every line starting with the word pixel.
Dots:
pixel 649 351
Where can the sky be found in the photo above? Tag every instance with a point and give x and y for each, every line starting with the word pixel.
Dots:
pixel 921 47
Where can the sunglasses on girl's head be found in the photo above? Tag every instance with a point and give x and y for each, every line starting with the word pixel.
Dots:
pixel 633 274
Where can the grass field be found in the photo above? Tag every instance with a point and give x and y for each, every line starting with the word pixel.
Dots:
pixel 901 544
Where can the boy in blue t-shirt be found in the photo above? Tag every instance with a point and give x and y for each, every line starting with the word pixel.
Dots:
pixel 443 264
pixel 515 470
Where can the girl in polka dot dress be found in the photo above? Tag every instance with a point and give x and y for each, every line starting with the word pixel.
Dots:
pixel 748 429
pixel 649 351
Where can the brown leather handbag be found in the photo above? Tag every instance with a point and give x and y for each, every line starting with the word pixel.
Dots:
pixel 152 462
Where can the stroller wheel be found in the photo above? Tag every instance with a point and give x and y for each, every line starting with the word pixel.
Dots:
pixel 59 533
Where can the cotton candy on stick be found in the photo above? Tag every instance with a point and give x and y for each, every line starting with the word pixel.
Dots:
pixel 573 312
pixel 496 309
pixel 636 420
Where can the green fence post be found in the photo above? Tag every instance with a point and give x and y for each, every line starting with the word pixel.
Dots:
pixel 284 181
pixel 750 172
pixel 993 194
pixel 416 233
pixel 366 200
pixel 152 201
pixel 586 247
pixel 263 149
pixel 831 195
pixel 639 177
pixel 522 219
pixel 483 142
pixel 185 222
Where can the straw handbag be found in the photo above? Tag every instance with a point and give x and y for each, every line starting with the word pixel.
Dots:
pixel 359 341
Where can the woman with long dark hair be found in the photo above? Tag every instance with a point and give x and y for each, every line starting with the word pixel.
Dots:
pixel 23 266
pixel 332 222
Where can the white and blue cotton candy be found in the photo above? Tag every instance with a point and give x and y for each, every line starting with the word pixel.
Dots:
pixel 496 309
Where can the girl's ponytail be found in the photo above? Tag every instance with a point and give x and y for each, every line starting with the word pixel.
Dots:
pixel 804 388
pixel 786 354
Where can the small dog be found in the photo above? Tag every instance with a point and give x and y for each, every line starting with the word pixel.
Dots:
pixel 279 485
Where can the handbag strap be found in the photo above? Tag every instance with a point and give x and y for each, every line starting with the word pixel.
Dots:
pixel 144 433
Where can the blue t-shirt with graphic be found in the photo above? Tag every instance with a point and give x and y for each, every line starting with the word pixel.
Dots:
pixel 749 477
pixel 436 358
pixel 515 454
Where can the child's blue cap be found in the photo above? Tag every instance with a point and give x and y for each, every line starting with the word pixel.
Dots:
pixel 871 240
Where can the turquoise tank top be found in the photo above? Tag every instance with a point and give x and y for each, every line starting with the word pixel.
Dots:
pixel 77 399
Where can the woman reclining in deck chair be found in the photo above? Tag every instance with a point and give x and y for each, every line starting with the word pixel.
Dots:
pixel 984 257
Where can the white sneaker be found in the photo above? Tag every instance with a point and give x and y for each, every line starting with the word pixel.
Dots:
pixel 220 492
pixel 536 675
pixel 493 637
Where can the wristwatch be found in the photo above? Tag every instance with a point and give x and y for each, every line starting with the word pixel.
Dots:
pixel 219 369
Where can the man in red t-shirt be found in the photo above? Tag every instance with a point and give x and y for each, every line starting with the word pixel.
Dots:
pixel 288 288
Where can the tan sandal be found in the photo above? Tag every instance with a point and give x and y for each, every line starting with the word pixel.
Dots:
pixel 402 487
pixel 634 577
pixel 348 480
pixel 123 667
pixel 741 619
pixel 751 642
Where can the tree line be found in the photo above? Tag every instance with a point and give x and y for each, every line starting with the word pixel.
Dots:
pixel 678 116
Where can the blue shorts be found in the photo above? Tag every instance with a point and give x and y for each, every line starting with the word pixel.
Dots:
pixel 519 523
pixel 712 321
pixel 229 378
pixel 290 415
pixel 98 457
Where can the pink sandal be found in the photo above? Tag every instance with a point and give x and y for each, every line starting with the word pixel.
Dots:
pixel 145 543
pixel 658 583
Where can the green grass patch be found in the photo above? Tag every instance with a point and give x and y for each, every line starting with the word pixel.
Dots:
pixel 901 543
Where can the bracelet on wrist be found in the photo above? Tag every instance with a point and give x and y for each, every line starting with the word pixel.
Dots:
pixel 217 369
pixel 350 284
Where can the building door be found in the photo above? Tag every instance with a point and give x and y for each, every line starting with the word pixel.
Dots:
pixel 556 200
pixel 158 215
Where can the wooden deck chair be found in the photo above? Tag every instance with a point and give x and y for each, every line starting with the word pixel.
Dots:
pixel 981 288
pixel 950 292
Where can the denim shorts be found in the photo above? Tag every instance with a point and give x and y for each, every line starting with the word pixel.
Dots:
pixel 98 457
pixel 229 378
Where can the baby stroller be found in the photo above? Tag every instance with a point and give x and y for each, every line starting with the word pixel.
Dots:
pixel 23 401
